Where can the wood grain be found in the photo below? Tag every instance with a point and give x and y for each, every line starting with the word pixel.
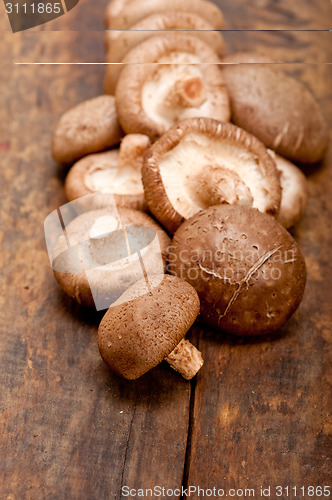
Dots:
pixel 277 14
pixel 262 406
pixel 69 428
pixel 258 413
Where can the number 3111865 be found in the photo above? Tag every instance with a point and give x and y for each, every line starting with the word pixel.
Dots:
pixel 33 8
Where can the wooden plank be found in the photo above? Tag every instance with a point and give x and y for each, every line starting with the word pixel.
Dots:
pixel 273 44
pixel 277 15
pixel 69 428
pixel 261 409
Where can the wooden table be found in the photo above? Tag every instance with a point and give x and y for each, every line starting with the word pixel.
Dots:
pixel 257 413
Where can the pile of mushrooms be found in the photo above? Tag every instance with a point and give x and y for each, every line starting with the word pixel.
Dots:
pixel 182 189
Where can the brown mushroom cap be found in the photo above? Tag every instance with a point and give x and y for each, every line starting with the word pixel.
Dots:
pixel 247 269
pixel 132 11
pixel 294 192
pixel 140 332
pixel 152 97
pixel 202 162
pixel 115 176
pixel 276 108
pixel 119 46
pixel 89 127
pixel 105 267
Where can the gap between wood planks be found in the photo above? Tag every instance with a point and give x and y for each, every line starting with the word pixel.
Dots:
pixel 186 468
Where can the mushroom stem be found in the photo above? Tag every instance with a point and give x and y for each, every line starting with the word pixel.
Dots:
pixel 219 185
pixel 132 149
pixel 185 359
pixel 187 92
pixel 101 229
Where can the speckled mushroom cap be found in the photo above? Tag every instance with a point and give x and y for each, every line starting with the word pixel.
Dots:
pixel 104 266
pixel 202 162
pixel 294 192
pixel 118 46
pixel 150 98
pixel 122 17
pixel 276 108
pixel 89 127
pixel 115 176
pixel 136 335
pixel 247 269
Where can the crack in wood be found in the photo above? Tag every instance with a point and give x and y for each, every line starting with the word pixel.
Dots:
pixel 126 451
pixel 186 467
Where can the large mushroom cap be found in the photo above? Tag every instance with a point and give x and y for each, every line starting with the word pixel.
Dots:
pixel 118 46
pixel 247 269
pixel 89 127
pixel 97 260
pixel 122 17
pixel 137 334
pixel 179 83
pixel 276 108
pixel 115 176
pixel 202 162
pixel 294 192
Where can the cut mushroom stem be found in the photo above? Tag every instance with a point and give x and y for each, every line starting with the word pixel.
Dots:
pixel 187 92
pixel 100 231
pixel 218 185
pixel 132 149
pixel 185 359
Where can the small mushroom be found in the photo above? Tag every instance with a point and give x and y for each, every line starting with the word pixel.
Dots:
pixel 294 192
pixel 103 252
pixel 276 108
pixel 118 48
pixel 148 326
pixel 202 162
pixel 123 17
pixel 150 98
pixel 89 127
pixel 247 269
pixel 116 172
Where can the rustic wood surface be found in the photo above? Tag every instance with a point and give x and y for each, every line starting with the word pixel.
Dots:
pixel 257 414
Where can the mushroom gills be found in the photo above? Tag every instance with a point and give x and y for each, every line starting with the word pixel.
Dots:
pixel 114 247
pixel 177 91
pixel 112 180
pixel 199 171
pixel 124 176
pixel 294 191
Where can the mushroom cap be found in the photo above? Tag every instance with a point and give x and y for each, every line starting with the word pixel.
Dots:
pixel 90 270
pixel 276 108
pixel 136 335
pixel 118 47
pixel 294 192
pixel 193 159
pixel 132 11
pixel 247 269
pixel 100 173
pixel 89 127
pixel 149 97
